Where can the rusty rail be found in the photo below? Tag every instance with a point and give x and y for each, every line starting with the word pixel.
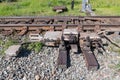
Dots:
pixel 87 23
pixel 35 19
pixel 82 27
pixel 90 59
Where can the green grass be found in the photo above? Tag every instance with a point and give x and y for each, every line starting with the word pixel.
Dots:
pixel 44 7
pixel 6 44
pixel 34 46
pixel 114 48
pixel 117 67
pixel 106 7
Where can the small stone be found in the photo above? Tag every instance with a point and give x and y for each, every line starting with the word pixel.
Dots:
pixel 13 50
pixel 53 72
pixel 8 68
pixel 0 58
pixel 41 64
pixel 21 75
pixel 37 77
pixel 24 78
pixel 5 72
pixel 7 58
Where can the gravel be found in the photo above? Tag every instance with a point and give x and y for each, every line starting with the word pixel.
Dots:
pixel 42 66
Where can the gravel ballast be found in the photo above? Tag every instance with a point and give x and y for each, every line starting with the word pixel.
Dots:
pixel 43 66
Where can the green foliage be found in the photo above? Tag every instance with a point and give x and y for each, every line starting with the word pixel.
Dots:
pixel 106 7
pixel 6 44
pixel 117 67
pixel 34 46
pixel 44 7
pixel 8 0
pixel 37 7
pixel 1 42
pixel 105 3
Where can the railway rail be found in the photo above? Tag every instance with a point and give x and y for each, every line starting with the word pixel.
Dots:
pixel 89 23
pixel 55 19
pixel 57 27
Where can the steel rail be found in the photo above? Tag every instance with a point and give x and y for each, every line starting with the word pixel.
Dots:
pixel 12 17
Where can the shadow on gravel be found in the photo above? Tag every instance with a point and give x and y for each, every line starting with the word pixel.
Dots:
pixel 68 58
pixel 79 49
pixel 24 53
pixel 92 49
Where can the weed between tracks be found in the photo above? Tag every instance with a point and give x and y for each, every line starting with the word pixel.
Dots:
pixel 33 46
pixel 5 44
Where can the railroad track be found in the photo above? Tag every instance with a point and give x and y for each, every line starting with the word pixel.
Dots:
pixel 74 29
pixel 58 27
pixel 57 23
